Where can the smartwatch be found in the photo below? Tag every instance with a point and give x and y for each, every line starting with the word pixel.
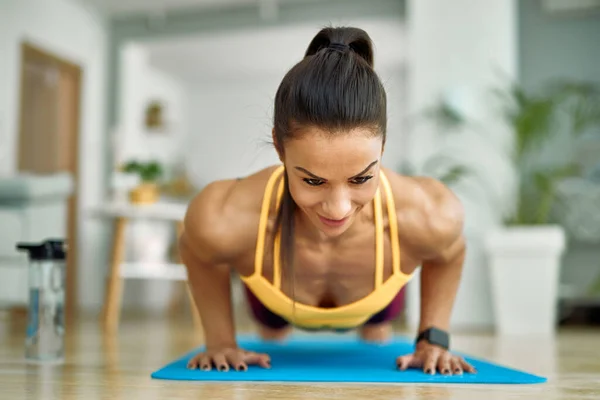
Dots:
pixel 436 337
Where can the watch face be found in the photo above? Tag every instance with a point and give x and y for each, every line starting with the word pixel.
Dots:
pixel 438 337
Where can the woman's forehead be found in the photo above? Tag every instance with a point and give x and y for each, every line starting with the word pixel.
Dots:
pixel 333 155
pixel 317 140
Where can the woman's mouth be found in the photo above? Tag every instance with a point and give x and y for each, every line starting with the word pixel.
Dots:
pixel 334 223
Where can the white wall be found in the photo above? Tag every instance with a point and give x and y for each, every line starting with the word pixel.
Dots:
pixel 462 49
pixel 142 83
pixel 77 34
pixel 231 127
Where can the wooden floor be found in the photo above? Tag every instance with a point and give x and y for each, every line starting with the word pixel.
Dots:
pixel 98 367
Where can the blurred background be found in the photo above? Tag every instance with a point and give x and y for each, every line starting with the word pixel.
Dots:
pixel 113 114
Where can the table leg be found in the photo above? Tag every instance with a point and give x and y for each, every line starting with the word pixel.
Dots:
pixel 114 286
pixel 178 294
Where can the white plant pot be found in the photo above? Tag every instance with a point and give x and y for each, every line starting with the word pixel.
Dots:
pixel 524 271
pixel 148 243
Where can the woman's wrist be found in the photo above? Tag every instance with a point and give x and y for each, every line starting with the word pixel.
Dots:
pixel 217 340
pixel 221 344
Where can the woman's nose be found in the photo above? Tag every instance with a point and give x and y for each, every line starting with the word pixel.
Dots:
pixel 338 206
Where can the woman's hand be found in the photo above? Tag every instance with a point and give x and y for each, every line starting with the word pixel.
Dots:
pixel 223 358
pixel 432 358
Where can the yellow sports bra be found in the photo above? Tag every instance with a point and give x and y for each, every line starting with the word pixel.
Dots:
pixel 343 317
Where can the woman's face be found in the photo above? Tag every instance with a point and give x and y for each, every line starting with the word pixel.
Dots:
pixel 332 177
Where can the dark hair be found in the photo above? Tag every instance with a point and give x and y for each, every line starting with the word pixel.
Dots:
pixel 334 88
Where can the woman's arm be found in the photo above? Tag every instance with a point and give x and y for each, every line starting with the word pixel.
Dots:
pixel 432 220
pixel 206 249
pixel 219 228
pixel 210 285
pixel 444 251
pixel 442 261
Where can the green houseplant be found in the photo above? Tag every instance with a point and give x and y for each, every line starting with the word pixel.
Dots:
pixel 525 253
pixel 536 118
pixel 439 165
pixel 149 173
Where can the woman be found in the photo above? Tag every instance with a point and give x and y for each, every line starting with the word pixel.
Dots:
pixel 328 239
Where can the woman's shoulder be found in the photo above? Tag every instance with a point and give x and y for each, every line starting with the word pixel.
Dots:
pixel 224 215
pixel 427 210
pixel 425 193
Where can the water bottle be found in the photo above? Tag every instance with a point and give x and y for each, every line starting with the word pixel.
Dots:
pixel 44 340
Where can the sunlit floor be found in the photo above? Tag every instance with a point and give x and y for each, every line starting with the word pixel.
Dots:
pixel 97 367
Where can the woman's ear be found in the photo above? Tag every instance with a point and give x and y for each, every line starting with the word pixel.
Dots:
pixel 277 145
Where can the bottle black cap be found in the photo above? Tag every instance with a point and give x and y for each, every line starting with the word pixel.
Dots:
pixel 53 249
pixel 59 248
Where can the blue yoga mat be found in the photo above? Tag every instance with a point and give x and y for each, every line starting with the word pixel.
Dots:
pixel 340 359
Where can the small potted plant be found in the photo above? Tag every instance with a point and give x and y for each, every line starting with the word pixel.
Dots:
pixel 147 191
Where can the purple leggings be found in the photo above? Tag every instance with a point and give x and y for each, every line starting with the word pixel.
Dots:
pixel 271 320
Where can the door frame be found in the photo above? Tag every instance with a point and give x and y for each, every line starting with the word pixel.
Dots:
pixel 32 52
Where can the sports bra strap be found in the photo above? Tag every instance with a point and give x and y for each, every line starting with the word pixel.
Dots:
pixel 393 221
pixel 277 244
pixel 262 223
pixel 379 264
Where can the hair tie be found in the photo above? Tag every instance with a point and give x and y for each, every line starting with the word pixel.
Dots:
pixel 338 46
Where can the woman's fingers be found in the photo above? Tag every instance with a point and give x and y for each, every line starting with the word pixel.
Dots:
pixel 466 366
pixel 430 361
pixel 221 362
pixel 408 361
pixel 258 359
pixel 456 366
pixel 430 364
pixel 205 363
pixel 427 360
pixel 201 361
pixel 236 360
pixel 443 363
pixel 231 358
pixel 433 360
pixel 193 362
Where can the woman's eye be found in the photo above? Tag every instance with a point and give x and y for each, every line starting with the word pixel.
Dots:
pixel 313 182
pixel 361 180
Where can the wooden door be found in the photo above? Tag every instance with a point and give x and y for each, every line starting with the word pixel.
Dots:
pixel 49 134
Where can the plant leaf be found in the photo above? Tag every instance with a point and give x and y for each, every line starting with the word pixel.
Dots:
pixel 454 174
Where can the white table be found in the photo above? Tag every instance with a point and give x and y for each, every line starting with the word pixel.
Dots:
pixel 163 210
pixel 121 213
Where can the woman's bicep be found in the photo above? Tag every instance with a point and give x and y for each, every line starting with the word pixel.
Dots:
pixel 210 231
